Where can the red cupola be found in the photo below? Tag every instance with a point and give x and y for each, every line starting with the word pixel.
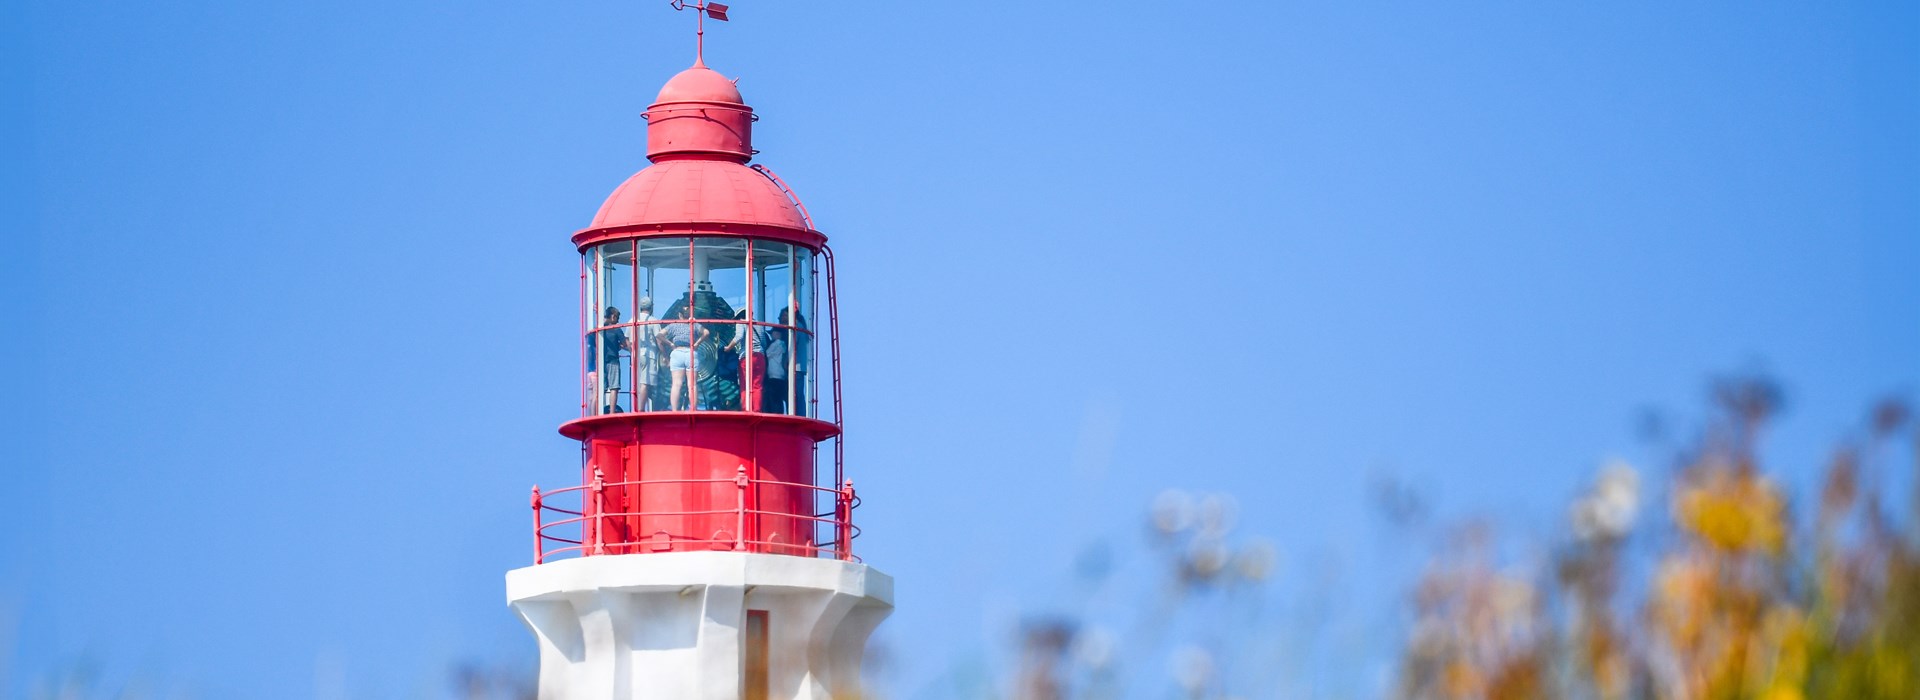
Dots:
pixel 699 113
pixel 702 351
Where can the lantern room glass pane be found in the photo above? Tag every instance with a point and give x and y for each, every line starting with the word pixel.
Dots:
pixel 719 289
pixel 609 296
pixel 610 281
pixel 666 279
pixel 773 278
pixel 608 372
pixel 724 262
pixel 772 290
pixel 664 276
pixel 801 351
pixel 662 266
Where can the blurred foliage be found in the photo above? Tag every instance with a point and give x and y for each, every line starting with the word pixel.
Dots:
pixel 474 680
pixel 1727 599
pixel 1200 629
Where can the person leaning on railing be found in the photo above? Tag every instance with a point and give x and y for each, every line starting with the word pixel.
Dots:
pixel 606 346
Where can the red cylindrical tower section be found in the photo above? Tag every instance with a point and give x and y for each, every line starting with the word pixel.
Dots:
pixel 701 351
pixel 702 482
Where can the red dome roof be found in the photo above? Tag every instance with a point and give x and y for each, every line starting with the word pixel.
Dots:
pixel 689 191
pixel 699 84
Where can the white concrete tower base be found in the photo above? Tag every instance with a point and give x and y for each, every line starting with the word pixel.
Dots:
pixel 675 624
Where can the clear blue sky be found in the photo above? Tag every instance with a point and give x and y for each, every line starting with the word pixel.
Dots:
pixel 289 301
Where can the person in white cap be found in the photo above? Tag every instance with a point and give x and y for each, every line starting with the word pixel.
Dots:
pixel 646 355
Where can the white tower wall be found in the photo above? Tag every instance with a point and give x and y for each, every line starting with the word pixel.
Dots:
pixel 674 624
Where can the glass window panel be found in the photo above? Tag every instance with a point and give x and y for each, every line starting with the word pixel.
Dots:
pixel 607 368
pixel 722 263
pixel 719 286
pixel 610 277
pixel 772 289
pixel 803 337
pixel 610 285
pixel 668 282
pixel 586 285
pixel 663 277
pixel 773 278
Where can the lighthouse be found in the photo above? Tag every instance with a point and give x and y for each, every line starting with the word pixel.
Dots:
pixel 707 548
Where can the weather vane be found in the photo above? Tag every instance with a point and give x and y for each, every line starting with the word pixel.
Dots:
pixel 701 11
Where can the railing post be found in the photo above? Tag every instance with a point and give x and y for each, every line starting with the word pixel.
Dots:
pixel 539 546
pixel 843 522
pixel 599 512
pixel 740 509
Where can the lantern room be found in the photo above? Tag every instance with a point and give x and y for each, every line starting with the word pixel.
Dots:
pixel 698 323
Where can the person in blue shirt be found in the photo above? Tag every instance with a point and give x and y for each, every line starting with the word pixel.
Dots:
pixel 603 350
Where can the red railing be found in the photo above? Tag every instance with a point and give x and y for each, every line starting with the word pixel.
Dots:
pixel 833 336
pixel 597 528
pixel 788 191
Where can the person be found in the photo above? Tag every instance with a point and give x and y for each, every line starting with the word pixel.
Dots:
pixel 680 338
pixel 646 356
pixel 749 342
pixel 774 399
pixel 603 349
pixel 801 347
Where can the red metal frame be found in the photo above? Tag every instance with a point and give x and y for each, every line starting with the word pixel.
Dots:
pixel 633 309
pixel 813 304
pixel 748 401
pixel 590 515
pixel 810 239
pixel 584 389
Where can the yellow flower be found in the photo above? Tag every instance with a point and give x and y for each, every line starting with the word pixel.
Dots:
pixel 1734 513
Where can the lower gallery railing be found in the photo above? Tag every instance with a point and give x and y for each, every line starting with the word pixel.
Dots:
pixel 677 515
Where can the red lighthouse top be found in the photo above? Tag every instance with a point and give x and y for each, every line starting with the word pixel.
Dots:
pixel 710 370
